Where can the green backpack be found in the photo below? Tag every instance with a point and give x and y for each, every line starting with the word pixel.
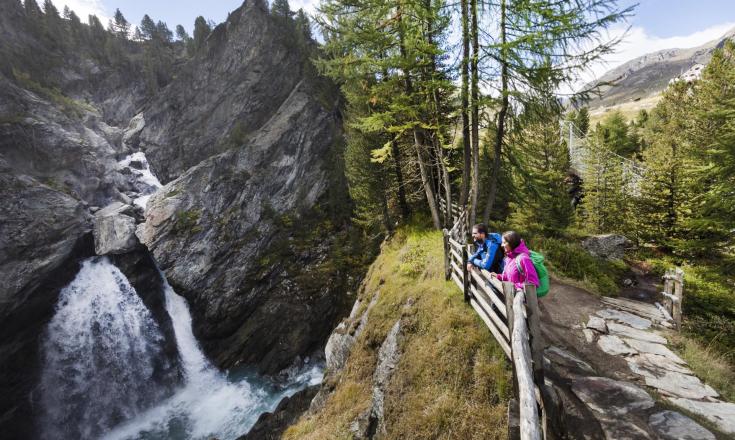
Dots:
pixel 543 274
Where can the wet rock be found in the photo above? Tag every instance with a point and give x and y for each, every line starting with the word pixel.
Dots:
pixel 670 425
pixel 610 246
pixel 722 414
pixel 114 229
pixel 625 318
pixel 597 324
pixel 630 332
pixel 270 426
pixel 613 345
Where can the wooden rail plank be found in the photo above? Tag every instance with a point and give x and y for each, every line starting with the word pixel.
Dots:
pixel 496 333
pixel 480 280
pixel 494 281
pixel 487 308
pixel 455 243
pixel 534 319
pixel 456 255
pixel 457 280
pixel 530 426
pixel 458 269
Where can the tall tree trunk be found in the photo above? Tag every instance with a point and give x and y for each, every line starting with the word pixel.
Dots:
pixel 398 169
pixel 466 167
pixel 438 138
pixel 475 108
pixel 500 134
pixel 418 137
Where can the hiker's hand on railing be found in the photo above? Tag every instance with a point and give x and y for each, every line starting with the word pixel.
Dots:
pixel 469 267
pixel 493 275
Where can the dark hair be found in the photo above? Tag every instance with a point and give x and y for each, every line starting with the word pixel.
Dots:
pixel 512 238
pixel 481 228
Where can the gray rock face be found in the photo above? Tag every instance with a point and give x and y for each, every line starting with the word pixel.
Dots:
pixel 722 414
pixel 114 229
pixel 245 234
pixel 613 345
pixel 342 339
pixel 610 246
pixel 630 332
pixel 670 425
pixel 630 319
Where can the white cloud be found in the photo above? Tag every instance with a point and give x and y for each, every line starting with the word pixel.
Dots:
pixel 309 6
pixel 84 8
pixel 638 42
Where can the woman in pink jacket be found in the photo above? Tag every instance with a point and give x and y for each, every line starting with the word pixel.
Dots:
pixel 517 255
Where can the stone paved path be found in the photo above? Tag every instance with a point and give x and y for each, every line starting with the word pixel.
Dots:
pixel 605 358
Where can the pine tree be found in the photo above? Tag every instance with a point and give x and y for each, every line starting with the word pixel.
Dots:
pixel 163 33
pixel 147 27
pixel 281 9
pixel 712 135
pixel 201 32
pixel 582 120
pixel 119 25
pixel 303 25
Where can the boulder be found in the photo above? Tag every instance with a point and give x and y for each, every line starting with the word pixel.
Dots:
pixel 114 229
pixel 609 246
pixel 598 324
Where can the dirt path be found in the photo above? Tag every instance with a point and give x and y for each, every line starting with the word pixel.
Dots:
pixel 620 380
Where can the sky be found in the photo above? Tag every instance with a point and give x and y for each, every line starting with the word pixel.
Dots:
pixel 655 25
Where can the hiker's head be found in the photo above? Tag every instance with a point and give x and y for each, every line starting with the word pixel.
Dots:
pixel 511 240
pixel 479 231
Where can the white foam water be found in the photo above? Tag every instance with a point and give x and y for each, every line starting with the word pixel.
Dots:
pixel 146 182
pixel 101 349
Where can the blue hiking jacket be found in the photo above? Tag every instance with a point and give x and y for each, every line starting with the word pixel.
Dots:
pixel 485 252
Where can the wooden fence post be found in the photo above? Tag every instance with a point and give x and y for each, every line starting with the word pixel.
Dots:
pixel 447 266
pixel 509 292
pixel 679 295
pixel 533 316
pixel 465 275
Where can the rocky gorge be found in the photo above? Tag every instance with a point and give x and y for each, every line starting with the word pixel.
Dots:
pixel 251 226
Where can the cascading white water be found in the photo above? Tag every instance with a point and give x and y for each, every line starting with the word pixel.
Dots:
pixel 209 405
pixel 101 351
pixel 145 181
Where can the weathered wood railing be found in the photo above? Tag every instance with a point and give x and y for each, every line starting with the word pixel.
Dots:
pixel 673 295
pixel 512 316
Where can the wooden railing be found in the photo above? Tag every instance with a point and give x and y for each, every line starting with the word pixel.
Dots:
pixel 673 295
pixel 512 316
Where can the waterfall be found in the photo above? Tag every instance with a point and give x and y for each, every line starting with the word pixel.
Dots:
pixel 101 351
pixel 102 357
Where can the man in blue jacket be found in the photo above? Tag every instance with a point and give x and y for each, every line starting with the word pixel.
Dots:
pixel 488 252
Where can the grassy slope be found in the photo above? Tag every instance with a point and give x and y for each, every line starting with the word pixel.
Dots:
pixel 452 380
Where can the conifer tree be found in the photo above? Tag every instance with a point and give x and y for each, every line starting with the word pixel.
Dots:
pixel 303 25
pixel 119 26
pixel 201 32
pixel 147 27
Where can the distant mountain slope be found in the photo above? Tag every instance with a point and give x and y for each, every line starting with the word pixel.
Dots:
pixel 649 74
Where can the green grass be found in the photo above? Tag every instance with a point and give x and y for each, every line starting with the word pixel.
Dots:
pixel 70 106
pixel 452 380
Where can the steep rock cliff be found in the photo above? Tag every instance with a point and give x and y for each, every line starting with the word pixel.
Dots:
pixel 250 235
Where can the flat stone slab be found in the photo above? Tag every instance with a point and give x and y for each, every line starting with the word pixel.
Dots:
pixel 673 383
pixel 610 397
pixel 655 361
pixel 630 332
pixel 597 323
pixel 625 317
pixel 670 425
pixel 721 414
pixel 653 348
pixel 589 335
pixel 613 345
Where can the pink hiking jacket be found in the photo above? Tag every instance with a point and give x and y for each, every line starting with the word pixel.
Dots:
pixel 511 273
